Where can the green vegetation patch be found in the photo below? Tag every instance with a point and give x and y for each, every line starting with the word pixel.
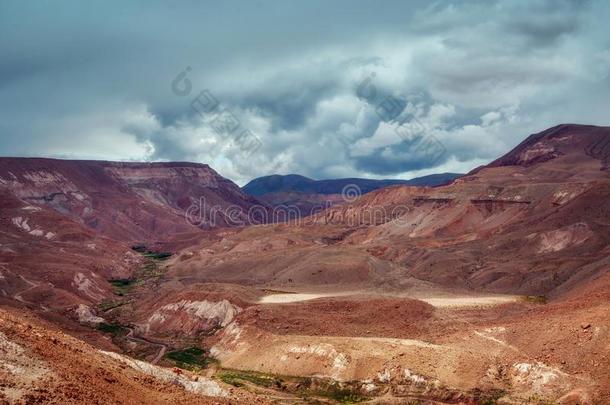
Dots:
pixel 305 387
pixel 151 254
pixel 150 270
pixel 108 305
pixel 157 255
pixel 341 394
pixel 237 378
pixel 112 328
pixel 192 358
pixel 124 286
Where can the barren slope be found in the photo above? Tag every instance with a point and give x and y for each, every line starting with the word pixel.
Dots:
pixel 492 288
pixel 40 364
pixel 126 201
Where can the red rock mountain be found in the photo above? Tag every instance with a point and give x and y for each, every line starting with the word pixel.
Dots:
pixel 67 226
pixel 534 221
pixel 437 290
pixel 126 201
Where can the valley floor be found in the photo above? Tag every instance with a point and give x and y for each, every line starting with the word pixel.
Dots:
pixel 436 301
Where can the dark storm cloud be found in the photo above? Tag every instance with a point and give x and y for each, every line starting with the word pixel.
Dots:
pixel 94 80
pixel 290 106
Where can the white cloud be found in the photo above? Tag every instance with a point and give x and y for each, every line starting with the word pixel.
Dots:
pixel 477 76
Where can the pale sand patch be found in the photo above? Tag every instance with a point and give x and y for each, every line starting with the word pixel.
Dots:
pixel 439 302
pixel 288 298
pixel 456 302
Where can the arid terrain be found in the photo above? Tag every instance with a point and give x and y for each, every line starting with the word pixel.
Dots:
pixel 166 283
pixel 306 196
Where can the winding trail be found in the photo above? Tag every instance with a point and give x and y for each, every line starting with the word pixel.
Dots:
pixel 32 285
pixel 163 347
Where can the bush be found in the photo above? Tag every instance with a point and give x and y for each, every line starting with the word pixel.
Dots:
pixel 108 305
pixel 192 358
pixel 123 286
pixel 113 328
pixel 151 253
pixel 157 255
pixel 236 378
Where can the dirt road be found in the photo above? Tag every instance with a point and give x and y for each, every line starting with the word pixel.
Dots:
pixel 162 350
pixel 32 285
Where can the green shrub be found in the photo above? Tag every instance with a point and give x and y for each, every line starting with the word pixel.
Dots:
pixel 157 255
pixel 108 305
pixel 323 389
pixel 192 358
pixel 340 394
pixel 237 377
pixel 113 328
pixel 124 286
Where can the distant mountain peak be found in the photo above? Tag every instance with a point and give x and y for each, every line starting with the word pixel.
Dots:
pixel 556 141
pixel 296 183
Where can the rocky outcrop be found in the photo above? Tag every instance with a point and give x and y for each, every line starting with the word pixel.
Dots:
pixel 190 318
pixel 197 385
pixel 85 315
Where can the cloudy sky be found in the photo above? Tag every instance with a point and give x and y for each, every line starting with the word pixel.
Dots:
pixel 322 88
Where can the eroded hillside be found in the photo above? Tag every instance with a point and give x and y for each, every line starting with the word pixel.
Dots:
pixel 492 289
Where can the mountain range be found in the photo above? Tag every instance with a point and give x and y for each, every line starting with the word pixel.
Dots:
pixel 307 196
pixel 296 183
pixel 167 283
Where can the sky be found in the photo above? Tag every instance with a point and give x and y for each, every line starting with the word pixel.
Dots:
pixel 326 89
